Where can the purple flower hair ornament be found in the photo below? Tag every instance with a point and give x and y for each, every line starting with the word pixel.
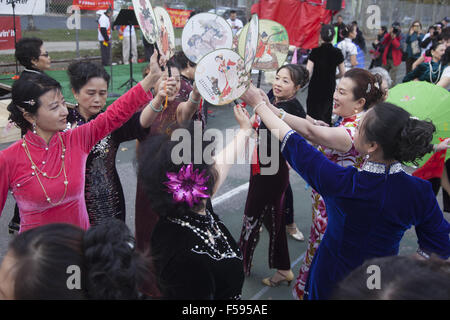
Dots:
pixel 187 185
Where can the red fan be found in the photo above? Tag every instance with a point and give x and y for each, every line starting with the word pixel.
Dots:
pixel 434 167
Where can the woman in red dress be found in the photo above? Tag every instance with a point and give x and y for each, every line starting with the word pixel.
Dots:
pixel 45 170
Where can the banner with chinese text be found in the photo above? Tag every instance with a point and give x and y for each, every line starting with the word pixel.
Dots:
pixel 94 4
pixel 178 17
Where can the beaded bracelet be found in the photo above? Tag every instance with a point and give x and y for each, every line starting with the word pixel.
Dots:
pixel 153 108
pixel 192 100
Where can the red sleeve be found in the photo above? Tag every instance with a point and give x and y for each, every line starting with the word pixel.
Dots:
pixel 4 181
pixel 86 136
pixel 385 39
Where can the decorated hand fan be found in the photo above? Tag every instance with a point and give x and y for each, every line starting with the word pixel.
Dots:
pixel 251 42
pixel 221 77
pixel 146 18
pixel 273 45
pixel 166 39
pixel 204 33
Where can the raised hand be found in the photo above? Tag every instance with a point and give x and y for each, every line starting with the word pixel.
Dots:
pixel 252 96
pixel 242 117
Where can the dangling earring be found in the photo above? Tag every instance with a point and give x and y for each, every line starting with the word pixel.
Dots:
pixel 34 127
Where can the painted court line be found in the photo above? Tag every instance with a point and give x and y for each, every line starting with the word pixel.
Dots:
pixel 265 289
pixel 227 196
pixel 230 194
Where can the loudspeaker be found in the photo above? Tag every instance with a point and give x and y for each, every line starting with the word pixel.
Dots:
pixel 334 5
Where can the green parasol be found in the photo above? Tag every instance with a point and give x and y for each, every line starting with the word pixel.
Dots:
pixel 425 101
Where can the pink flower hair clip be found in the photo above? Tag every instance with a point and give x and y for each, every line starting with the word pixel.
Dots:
pixel 187 185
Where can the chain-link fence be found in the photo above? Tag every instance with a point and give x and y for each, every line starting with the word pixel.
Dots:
pixel 404 12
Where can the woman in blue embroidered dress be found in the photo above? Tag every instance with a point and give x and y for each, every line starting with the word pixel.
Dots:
pixel 368 210
pixel 357 91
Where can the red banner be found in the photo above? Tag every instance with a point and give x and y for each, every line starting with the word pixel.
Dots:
pixel 302 19
pixel 178 17
pixel 94 4
pixel 7 32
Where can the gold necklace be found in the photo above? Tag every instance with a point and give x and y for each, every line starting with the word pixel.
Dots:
pixel 36 171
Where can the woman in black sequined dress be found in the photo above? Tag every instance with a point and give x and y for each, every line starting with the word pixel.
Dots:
pixel 103 190
pixel 194 254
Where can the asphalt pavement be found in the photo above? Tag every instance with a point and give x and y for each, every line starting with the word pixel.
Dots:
pixel 229 204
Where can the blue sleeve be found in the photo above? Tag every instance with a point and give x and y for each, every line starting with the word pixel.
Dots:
pixel 432 229
pixel 326 177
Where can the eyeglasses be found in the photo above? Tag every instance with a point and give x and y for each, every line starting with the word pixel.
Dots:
pixel 45 54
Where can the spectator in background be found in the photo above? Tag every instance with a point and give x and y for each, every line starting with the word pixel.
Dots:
pixel 392 55
pixel 425 57
pixel 359 40
pixel 445 22
pixel 31 53
pixel 341 26
pixel 37 264
pixel 348 48
pixel 402 278
pixel 377 52
pixel 321 65
pixel 234 22
pixel 445 79
pixel 429 38
pixel 125 32
pixel 431 71
pixel 104 36
pixel 413 41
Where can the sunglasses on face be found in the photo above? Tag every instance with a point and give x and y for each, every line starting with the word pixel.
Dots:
pixel 45 54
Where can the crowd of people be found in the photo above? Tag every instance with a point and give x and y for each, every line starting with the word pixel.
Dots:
pixel 347 143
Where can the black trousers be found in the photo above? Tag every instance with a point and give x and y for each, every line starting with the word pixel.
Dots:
pixel 105 53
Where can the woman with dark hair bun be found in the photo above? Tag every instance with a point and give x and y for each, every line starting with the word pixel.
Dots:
pixel 269 201
pixel 46 169
pixel 64 262
pixel 174 112
pixel 103 191
pixel 348 48
pixel 433 70
pixel 369 209
pixel 357 91
pixel 195 256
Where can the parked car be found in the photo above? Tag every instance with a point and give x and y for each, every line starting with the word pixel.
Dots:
pixel 224 12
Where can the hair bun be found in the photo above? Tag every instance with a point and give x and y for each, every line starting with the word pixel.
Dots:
pixel 114 270
pixel 414 140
